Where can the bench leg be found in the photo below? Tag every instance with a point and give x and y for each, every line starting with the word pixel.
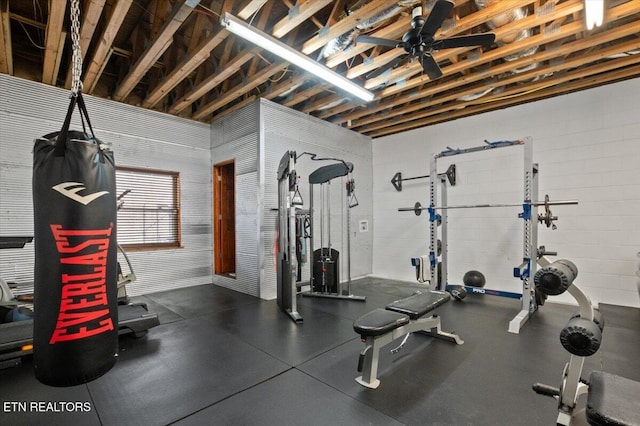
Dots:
pixel 368 362
pixel 431 327
pixel 370 355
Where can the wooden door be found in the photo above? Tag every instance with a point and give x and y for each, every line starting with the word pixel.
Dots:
pixel 224 214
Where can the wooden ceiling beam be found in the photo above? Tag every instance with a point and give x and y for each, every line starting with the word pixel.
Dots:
pixel 240 89
pixel 53 52
pixel 303 10
pixel 224 62
pixel 303 95
pixel 261 24
pixel 328 101
pixel 201 54
pixel 249 7
pixel 214 80
pixel 199 27
pixel 105 45
pixel 285 86
pixel 90 19
pixel 6 52
pixel 160 44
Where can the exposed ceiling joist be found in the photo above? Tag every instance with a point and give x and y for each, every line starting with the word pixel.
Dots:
pixel 53 51
pixel 159 45
pixel 6 48
pixel 239 90
pixel 104 48
pixel 302 11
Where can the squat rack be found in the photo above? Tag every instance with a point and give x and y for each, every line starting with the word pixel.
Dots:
pixel 527 269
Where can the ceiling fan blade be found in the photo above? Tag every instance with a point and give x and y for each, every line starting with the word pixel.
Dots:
pixel 378 41
pixel 379 71
pixel 484 39
pixel 430 67
pixel 441 10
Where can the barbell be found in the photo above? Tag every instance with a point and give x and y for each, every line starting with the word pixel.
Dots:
pixel 548 218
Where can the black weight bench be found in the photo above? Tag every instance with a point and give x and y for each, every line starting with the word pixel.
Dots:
pixel 402 317
pixel 619 405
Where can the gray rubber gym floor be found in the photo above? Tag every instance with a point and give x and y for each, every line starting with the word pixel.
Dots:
pixel 224 358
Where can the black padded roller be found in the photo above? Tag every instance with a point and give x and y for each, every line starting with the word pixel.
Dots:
pixel 597 318
pixel 556 278
pixel 581 337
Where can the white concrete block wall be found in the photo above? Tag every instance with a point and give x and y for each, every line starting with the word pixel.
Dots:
pixel 588 147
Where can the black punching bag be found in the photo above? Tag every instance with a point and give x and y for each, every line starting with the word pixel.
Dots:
pixel 75 303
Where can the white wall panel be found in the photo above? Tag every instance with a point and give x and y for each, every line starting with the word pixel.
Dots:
pixel 588 148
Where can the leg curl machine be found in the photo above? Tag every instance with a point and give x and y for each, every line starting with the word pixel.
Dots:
pixel 400 318
pixel 611 399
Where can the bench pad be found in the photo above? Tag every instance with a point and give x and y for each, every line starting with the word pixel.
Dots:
pixel 419 304
pixel 619 405
pixel 379 322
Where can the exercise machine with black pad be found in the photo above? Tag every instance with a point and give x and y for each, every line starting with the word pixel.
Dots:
pixel 400 318
pixel 296 226
pixel 611 399
pixel 325 271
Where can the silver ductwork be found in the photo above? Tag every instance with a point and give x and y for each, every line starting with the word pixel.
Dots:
pixel 339 44
pixel 345 41
pixel 500 21
pixel 507 18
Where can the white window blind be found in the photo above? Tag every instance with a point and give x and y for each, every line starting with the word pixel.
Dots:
pixel 149 210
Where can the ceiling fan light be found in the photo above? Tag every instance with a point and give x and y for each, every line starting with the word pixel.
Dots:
pixel 594 13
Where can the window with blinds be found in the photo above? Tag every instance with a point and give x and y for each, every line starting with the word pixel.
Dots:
pixel 148 208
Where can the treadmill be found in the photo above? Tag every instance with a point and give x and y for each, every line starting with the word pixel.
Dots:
pixel 16 338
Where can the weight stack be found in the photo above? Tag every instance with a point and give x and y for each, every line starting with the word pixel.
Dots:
pixel 326 263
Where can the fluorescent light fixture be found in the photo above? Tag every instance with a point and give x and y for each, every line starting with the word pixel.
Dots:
pixel 275 46
pixel 594 12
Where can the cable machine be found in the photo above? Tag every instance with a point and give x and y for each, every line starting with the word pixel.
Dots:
pixel 296 228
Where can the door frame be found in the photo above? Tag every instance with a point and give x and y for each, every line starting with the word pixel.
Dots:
pixel 218 220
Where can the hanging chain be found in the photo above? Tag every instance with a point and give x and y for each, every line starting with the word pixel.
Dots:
pixel 76 83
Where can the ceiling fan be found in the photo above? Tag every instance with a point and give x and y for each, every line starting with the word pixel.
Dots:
pixel 419 41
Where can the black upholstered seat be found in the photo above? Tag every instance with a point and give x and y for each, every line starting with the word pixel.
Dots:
pixel 613 400
pixel 379 322
pixel 419 304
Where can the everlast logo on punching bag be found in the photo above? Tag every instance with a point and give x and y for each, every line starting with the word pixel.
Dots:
pixel 71 189
pixel 84 309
